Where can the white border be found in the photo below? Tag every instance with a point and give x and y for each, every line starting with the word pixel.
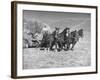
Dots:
pixel 21 72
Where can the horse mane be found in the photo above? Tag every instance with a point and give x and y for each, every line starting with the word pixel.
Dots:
pixel 80 32
pixel 72 33
pixel 64 31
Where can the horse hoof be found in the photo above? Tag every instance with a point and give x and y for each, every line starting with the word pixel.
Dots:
pixel 41 49
pixel 72 49
pixel 51 49
pixel 58 50
pixel 65 49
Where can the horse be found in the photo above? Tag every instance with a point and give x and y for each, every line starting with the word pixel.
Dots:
pixel 54 40
pixel 73 38
pixel 47 40
pixel 62 38
pixel 59 39
pixel 50 39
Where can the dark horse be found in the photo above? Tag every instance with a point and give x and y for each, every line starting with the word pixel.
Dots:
pixel 49 40
pixel 46 40
pixel 73 38
pixel 59 39
pixel 62 38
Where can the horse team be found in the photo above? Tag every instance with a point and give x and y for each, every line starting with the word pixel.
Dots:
pixel 65 40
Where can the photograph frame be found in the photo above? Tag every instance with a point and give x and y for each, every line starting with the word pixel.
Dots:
pixel 14 37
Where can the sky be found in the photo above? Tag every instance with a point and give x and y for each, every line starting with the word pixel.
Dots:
pixel 60 19
pixel 50 17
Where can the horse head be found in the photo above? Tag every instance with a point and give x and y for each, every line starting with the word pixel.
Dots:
pixel 80 32
pixel 66 31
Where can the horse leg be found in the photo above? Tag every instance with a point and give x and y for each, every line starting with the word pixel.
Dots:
pixel 73 45
pixel 68 46
pixel 63 45
pixel 51 45
pixel 60 46
pixel 56 46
